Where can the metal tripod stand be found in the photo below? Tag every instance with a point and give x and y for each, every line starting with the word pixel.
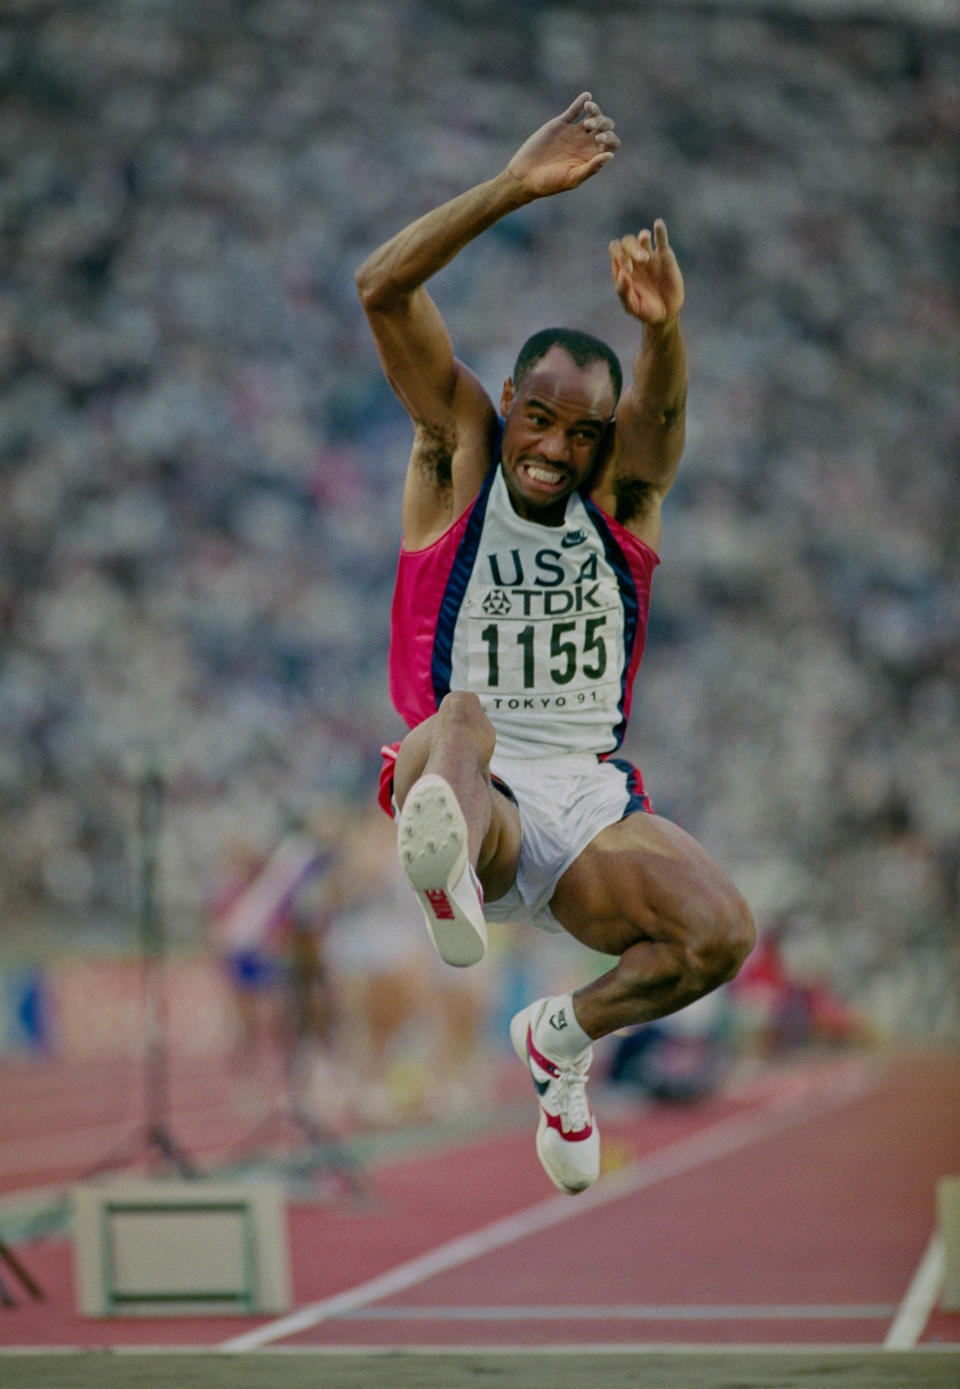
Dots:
pixel 155 1137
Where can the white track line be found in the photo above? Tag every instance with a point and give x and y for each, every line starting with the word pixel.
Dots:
pixel 665 1312
pixel 919 1299
pixel 727 1136
pixel 863 1354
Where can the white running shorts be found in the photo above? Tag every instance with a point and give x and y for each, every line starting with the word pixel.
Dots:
pixel 564 803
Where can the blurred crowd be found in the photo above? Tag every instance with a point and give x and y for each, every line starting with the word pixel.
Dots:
pixel 200 464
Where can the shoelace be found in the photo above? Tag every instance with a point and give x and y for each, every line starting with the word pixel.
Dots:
pixel 571 1094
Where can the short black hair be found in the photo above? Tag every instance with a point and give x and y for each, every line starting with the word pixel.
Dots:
pixel 582 347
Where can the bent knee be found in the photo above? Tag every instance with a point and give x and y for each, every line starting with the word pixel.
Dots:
pixel 463 709
pixel 462 704
pixel 725 937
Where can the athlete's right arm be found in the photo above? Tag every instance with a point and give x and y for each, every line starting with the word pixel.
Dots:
pixel 452 414
pixel 411 339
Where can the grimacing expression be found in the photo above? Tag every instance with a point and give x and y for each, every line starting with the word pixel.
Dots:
pixel 554 425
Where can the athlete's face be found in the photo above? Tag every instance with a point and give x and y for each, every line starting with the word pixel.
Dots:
pixel 555 426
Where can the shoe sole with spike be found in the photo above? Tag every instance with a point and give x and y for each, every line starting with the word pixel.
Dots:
pixel 432 844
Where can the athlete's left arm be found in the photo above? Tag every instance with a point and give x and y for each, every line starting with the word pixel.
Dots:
pixel 650 426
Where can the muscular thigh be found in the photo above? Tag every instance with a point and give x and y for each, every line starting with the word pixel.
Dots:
pixel 635 881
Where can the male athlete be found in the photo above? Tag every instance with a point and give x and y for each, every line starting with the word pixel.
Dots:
pixel 530 536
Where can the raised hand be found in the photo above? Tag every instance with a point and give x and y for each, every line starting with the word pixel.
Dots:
pixel 646 275
pixel 566 151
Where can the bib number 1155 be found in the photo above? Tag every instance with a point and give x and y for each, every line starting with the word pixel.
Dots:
pixel 569 651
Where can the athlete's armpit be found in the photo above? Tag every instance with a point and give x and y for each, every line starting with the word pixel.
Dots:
pixel 634 499
pixel 432 455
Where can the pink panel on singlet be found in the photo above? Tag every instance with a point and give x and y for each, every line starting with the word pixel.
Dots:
pixel 421 582
pixel 642 561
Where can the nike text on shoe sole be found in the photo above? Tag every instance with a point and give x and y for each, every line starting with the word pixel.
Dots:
pixel 570 1158
pixel 432 843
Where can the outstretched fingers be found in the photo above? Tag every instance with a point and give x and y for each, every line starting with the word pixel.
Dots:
pixel 565 151
pixel 576 106
pixel 601 127
pixel 585 112
pixel 645 273
pixel 637 248
pixel 621 269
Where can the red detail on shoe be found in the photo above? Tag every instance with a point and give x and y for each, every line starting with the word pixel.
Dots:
pixel 542 1061
pixel 440 903
pixel 571 1135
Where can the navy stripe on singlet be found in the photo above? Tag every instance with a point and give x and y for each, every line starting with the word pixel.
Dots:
pixel 639 800
pixel 442 659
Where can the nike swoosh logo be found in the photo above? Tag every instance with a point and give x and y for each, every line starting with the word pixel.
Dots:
pixel 573 538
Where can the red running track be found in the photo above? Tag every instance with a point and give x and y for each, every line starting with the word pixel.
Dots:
pixel 795 1211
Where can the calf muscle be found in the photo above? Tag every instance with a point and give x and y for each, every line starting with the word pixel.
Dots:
pixel 648 893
